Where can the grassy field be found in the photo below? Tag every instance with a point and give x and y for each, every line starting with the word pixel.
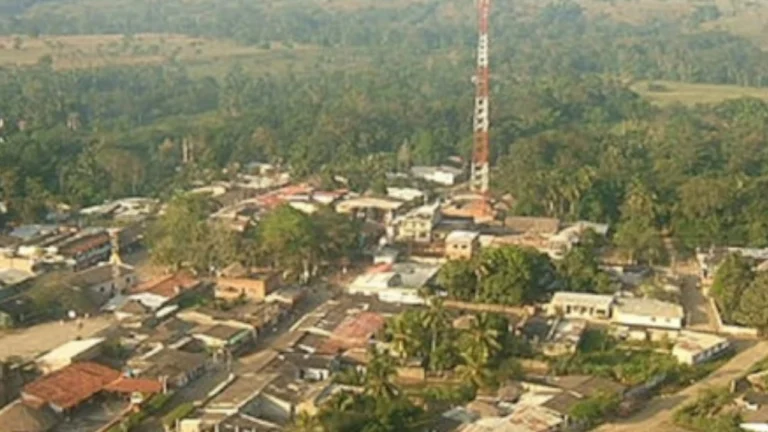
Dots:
pixel 670 92
pixel 68 52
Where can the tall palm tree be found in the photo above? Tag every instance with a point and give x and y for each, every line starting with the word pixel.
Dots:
pixel 405 337
pixel 480 341
pixel 378 376
pixel 435 320
pixel 473 371
pixel 306 422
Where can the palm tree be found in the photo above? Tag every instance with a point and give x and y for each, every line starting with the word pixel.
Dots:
pixel 481 340
pixel 473 371
pixel 405 336
pixel 435 319
pixel 378 376
pixel 306 422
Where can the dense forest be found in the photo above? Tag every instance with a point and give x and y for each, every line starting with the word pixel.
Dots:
pixel 569 136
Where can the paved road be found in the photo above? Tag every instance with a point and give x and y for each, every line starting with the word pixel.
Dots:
pixel 657 416
pixel 30 342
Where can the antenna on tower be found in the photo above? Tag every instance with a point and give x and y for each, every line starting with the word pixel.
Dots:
pixel 480 175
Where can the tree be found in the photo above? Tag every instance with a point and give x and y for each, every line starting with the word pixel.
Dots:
pixel 435 320
pixel 407 333
pixel 513 275
pixel 473 371
pixel 459 280
pixel 579 271
pixel 378 376
pixel 291 239
pixel 638 235
pixel 181 236
pixel 753 304
pixel 734 276
pixel 481 341
pixel 594 409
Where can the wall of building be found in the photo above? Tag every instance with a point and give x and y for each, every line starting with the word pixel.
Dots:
pixel 629 319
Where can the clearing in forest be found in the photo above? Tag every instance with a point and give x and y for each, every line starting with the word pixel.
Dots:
pixel 669 92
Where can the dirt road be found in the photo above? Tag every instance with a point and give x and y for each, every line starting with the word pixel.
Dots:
pixel 30 342
pixel 657 416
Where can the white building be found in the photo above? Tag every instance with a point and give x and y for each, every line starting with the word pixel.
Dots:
pixel 405 194
pixel 581 305
pixel 417 225
pixel 70 352
pixel 648 313
pixel 694 347
pixel 444 175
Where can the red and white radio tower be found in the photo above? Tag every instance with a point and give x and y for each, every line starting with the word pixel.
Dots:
pixel 479 180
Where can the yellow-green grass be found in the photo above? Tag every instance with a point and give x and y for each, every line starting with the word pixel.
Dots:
pixel 692 94
pixel 81 51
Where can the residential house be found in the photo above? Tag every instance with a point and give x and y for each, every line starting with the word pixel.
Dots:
pixel 87 249
pixel 69 387
pixel 68 353
pixel 255 287
pixel 386 255
pixel 417 224
pixel 225 337
pixel 462 245
pixel 564 337
pixel 581 305
pixel 19 311
pixel 105 280
pixel 21 417
pixel 406 194
pixel 642 318
pixel 173 288
pixel 696 347
pixel 443 174
pixel 561 242
pixel 371 208
pixel 170 366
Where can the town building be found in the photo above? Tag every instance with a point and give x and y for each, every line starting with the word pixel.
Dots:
pixel 462 245
pixel 173 367
pixel 21 417
pixel 696 347
pixel 564 337
pixel 225 337
pixel 69 387
pixel 253 287
pixel 443 174
pixel 417 224
pixel 70 352
pixel 642 318
pixel 581 305
pixel 105 280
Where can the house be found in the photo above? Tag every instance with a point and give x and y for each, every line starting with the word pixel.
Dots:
pixel 371 208
pixel 255 287
pixel 18 311
pixel 240 394
pixel 353 332
pixel 173 367
pixel 696 347
pixel 398 283
pixel 417 224
pixel 287 296
pixel 528 225
pixel 105 280
pixel 253 317
pixel 642 318
pixel 462 245
pixel 87 249
pixel 69 387
pixel 581 305
pixel 21 417
pixel 564 240
pixel 406 194
pixel 385 255
pixel 70 352
pixel 171 288
pixel 222 336
pixel 443 174
pixel 564 337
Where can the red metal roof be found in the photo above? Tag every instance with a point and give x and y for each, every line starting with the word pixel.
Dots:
pixel 134 385
pixel 169 286
pixel 70 386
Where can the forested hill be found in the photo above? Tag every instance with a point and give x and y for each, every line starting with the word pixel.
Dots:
pixel 361 87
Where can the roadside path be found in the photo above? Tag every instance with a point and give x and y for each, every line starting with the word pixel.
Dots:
pixel 657 416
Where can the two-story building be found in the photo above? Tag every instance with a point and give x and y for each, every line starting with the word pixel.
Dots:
pixel 417 225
